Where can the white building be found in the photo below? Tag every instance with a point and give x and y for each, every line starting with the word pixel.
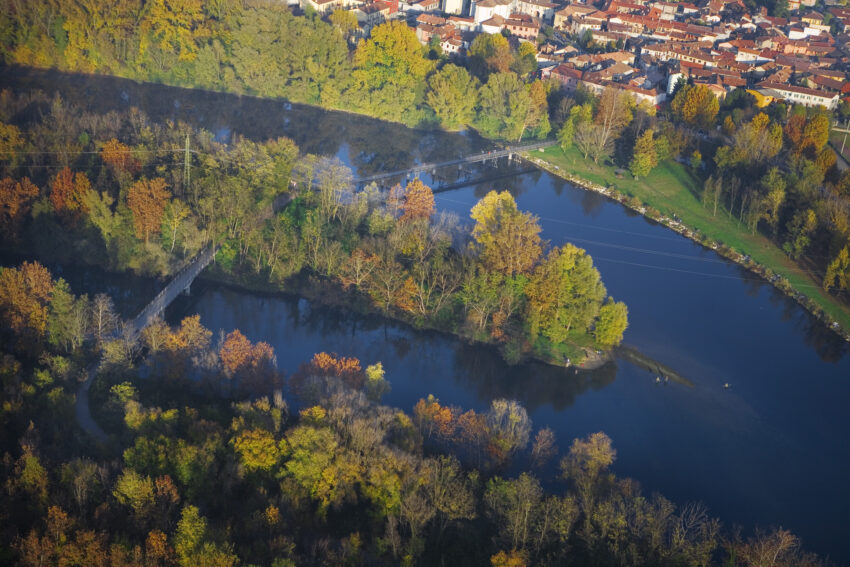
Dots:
pixel 484 10
pixel 799 95
pixel 453 6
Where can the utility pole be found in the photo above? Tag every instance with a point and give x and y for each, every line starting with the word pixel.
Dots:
pixel 187 167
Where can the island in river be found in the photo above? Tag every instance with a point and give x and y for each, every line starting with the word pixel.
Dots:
pixel 742 451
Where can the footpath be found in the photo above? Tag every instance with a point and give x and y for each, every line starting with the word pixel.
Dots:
pixel 744 260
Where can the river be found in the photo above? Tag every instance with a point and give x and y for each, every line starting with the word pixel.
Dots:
pixel 769 450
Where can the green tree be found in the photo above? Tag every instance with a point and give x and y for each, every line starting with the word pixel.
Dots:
pixel 452 94
pixel 135 491
pixel 512 505
pixel 800 230
pixel 564 292
pixel 537 122
pixel 815 133
pixel 509 239
pixel 773 186
pixel 390 68
pixel 257 449
pixel 612 323
pixel 489 53
pixel 376 385
pixel 838 272
pixel 319 467
pixel 392 54
pixel 644 157
pixel 586 466
pixel 509 426
pixel 177 25
pixel 566 134
pixel 696 160
pixel 449 490
pixel 67 324
pixel 345 21
pixel 191 531
pixel 613 113
pixel 525 61
pixel 504 107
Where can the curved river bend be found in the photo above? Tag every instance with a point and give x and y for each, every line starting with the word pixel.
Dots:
pixel 770 450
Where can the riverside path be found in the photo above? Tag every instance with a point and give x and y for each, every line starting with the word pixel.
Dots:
pixel 131 331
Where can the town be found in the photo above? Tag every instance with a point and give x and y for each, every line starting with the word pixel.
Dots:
pixel 492 283
pixel 799 54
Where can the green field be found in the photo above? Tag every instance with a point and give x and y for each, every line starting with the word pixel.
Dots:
pixel 673 189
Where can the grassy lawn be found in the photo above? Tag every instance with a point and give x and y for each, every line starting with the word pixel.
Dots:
pixel 673 188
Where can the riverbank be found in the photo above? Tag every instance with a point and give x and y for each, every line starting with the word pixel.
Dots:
pixel 668 196
pixel 582 357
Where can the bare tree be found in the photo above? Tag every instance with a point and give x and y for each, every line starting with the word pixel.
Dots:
pixel 103 316
pixel 544 447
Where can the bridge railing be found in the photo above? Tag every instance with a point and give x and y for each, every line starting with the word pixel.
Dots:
pixel 481 156
pixel 181 280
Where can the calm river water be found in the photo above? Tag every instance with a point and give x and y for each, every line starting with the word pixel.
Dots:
pixel 770 450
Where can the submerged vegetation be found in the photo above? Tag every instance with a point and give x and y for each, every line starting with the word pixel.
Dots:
pixel 214 458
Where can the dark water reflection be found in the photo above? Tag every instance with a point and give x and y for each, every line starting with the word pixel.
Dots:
pixel 129 293
pixel 770 450
pixel 368 145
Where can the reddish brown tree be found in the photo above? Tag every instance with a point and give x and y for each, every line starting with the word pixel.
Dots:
pixel 119 157
pixel 253 364
pixel 235 352
pixel 147 200
pixel 68 193
pixel 324 365
pixel 25 295
pixel 418 201
pixel 16 198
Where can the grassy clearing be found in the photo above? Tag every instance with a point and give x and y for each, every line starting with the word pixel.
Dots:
pixel 673 189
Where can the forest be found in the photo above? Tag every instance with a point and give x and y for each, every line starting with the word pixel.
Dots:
pixel 135 205
pixel 215 458
pixel 800 199
pixel 258 47
pixel 754 170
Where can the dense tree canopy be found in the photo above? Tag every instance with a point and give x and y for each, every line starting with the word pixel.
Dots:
pixel 509 238
pixel 695 105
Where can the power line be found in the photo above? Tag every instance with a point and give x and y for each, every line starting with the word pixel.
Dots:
pixel 675 255
pixel 650 251
pixel 571 223
pixel 701 274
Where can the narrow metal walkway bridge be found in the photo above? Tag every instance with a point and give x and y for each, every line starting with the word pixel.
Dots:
pixel 474 158
pixel 181 281
pixel 178 284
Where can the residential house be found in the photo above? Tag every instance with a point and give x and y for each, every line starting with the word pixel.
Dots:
pixel 483 10
pixel 799 95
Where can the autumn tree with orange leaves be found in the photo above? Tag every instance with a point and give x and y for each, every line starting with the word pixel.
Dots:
pixel 325 365
pixel 25 295
pixel 253 364
pixel 418 201
pixel 68 193
pixel 435 420
pixel 16 198
pixel 119 156
pixel 147 200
